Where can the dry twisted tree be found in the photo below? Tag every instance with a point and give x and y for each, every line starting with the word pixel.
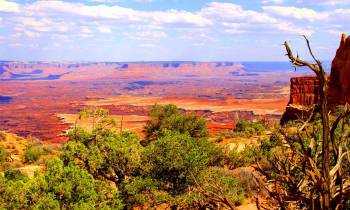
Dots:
pixel 311 167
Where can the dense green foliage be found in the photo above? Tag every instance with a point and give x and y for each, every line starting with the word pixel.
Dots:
pixel 60 187
pixel 105 169
pixel 169 117
pixel 105 154
pixel 249 128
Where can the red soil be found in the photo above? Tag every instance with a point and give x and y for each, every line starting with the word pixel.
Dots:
pixel 209 90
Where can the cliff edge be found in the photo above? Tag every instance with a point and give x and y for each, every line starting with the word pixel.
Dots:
pixel 304 91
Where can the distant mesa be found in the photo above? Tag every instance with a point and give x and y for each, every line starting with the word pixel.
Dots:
pixel 220 64
pixel 172 65
pixel 304 91
pixel 239 74
pixel 125 66
pixel 73 66
pixel 176 65
pixel 32 75
pixel 2 70
pixel 138 85
pixel 35 71
pixel 5 99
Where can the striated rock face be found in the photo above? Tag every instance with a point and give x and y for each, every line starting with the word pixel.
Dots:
pixel 304 91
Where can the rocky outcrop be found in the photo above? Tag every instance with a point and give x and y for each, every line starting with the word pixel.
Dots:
pixel 339 92
pixel 304 91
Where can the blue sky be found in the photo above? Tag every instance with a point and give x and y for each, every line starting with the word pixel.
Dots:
pixel 156 30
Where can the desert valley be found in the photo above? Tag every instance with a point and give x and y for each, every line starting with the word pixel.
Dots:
pixel 174 105
pixel 40 99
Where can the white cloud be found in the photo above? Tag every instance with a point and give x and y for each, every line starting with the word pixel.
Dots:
pixel 146 35
pixel 326 2
pixel 107 1
pixel 104 29
pixel 118 13
pixel 148 45
pixel 60 16
pixel 7 6
pixel 295 12
pixel 85 30
pixel 31 34
pixel 340 16
pixel 236 20
pixel 118 1
pixel 272 1
pixel 208 24
pixel 42 25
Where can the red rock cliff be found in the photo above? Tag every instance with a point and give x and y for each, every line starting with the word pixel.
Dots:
pixel 339 92
pixel 304 90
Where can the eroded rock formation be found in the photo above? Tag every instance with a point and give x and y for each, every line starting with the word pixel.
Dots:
pixel 339 92
pixel 304 90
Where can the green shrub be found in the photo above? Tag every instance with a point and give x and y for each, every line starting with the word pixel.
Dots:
pixel 14 174
pixel 59 187
pixel 3 155
pixel 219 184
pixel 249 128
pixel 246 157
pixel 175 158
pixel 169 118
pixel 32 153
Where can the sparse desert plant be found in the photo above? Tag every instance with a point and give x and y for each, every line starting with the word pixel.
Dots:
pixel 220 136
pixel 249 128
pixel 218 189
pixel 236 158
pixel 3 155
pixel 100 118
pixel 32 153
pixel 15 152
pixel 245 179
pixel 219 139
pixel 3 136
pixel 14 174
pixel 48 150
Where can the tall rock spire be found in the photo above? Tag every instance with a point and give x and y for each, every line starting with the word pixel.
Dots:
pixel 340 74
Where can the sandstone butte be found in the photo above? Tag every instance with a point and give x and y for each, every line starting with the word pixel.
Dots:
pixel 304 91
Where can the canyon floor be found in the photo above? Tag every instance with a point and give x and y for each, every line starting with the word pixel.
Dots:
pixel 42 99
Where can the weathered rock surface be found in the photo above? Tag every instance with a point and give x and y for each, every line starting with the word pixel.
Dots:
pixel 340 74
pixel 304 91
